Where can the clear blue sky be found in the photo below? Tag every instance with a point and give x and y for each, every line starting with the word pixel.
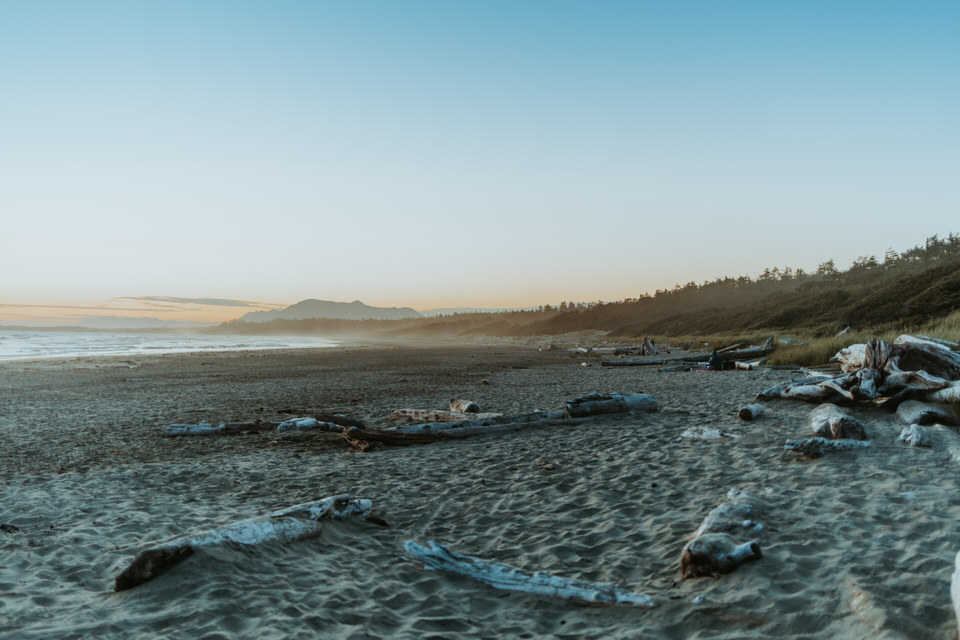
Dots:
pixel 458 153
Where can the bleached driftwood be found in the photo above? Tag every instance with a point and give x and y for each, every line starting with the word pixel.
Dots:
pixel 701 433
pixel 445 427
pixel 207 429
pixel 439 415
pixel 851 358
pixel 407 435
pixel 587 406
pixel 946 343
pixel 437 557
pixel 286 525
pixel 830 421
pixel 308 424
pixel 936 343
pixel 678 367
pixel 750 412
pixel 464 406
pixel 712 549
pixel 915 436
pixel 785 389
pixel 815 447
pixel 925 413
pixel 949 394
pixel 595 404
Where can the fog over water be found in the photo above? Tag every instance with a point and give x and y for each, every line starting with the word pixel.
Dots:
pixel 30 345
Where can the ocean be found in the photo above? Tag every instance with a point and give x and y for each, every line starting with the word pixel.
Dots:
pixel 37 345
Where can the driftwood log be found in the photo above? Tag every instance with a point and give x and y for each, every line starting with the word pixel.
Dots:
pixel 595 404
pixel 925 413
pixel 464 406
pixel 750 412
pixel 815 447
pixel 704 433
pixel 321 421
pixel 584 407
pixel 830 421
pixel 438 415
pixel 224 428
pixel 752 353
pixel 293 523
pixel 437 557
pixel 712 549
pixel 308 424
pixel 402 436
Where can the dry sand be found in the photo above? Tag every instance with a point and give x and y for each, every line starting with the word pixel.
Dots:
pixel 855 544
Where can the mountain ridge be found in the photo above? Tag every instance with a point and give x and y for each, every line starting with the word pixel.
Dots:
pixel 312 308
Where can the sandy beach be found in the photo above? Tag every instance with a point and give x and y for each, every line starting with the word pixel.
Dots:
pixel 855 544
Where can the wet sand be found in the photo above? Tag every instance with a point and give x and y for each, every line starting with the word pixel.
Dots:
pixel 855 544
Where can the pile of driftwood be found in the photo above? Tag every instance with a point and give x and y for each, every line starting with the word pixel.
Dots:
pixel 909 369
pixel 915 376
pixel 734 356
pixel 584 407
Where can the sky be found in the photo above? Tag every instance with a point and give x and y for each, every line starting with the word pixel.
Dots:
pixel 201 159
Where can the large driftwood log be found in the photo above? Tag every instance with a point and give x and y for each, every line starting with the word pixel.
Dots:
pixel 949 395
pixel 503 576
pixel 950 344
pixel 363 438
pixel 438 427
pixel 712 549
pixel 587 406
pixel 438 415
pixel 293 523
pixel 830 421
pixel 815 447
pixel 925 413
pixel 595 404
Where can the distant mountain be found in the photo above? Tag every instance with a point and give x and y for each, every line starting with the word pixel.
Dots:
pixel 114 322
pixel 310 309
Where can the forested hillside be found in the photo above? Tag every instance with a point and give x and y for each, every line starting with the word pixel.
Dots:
pixel 907 288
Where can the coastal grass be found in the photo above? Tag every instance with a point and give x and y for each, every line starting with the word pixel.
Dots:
pixel 813 348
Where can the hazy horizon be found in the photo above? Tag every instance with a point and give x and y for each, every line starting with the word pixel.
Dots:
pixel 198 161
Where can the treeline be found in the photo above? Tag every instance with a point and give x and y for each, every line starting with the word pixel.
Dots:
pixel 912 286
